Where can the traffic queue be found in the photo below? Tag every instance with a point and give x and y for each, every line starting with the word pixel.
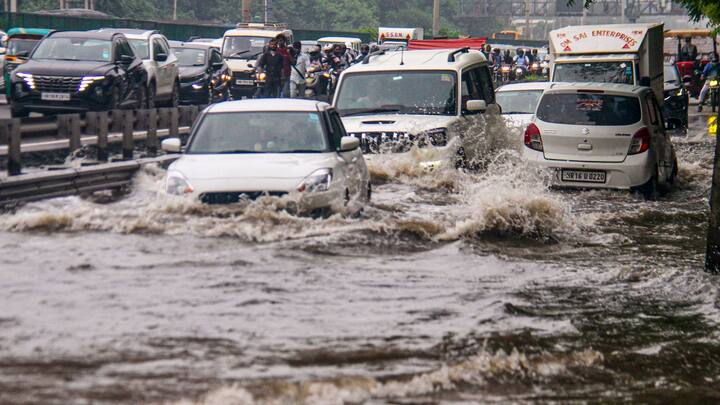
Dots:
pixel 600 120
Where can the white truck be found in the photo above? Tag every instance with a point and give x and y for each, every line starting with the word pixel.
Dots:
pixel 241 48
pixel 398 36
pixel 620 53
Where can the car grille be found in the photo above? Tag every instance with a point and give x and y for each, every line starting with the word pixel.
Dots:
pixel 243 75
pixel 231 197
pixel 57 84
pixel 396 142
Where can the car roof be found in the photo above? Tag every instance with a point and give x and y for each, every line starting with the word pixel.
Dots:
pixel 609 87
pixel 261 33
pixel 130 32
pixel 192 45
pixel 524 86
pixel 108 35
pixel 418 60
pixel 269 105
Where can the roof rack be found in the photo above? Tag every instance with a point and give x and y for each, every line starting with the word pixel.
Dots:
pixel 262 26
pixel 451 56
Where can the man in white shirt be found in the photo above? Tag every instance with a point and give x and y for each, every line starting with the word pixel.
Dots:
pixel 299 68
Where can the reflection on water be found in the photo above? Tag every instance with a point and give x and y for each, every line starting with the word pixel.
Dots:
pixel 452 286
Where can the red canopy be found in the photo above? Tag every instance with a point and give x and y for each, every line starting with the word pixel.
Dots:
pixel 472 43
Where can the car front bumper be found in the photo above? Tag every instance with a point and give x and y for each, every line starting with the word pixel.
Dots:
pixel 635 171
pixel 191 95
pixel 31 101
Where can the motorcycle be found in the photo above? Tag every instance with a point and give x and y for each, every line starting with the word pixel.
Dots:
pixel 505 73
pixel 535 69
pixel 316 81
pixel 714 93
pixel 519 73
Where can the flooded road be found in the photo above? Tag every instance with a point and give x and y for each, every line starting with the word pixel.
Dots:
pixel 450 288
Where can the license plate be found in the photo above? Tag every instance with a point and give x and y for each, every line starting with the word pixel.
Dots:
pixel 244 82
pixel 55 96
pixel 583 176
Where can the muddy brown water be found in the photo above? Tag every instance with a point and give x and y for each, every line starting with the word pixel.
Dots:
pixel 450 288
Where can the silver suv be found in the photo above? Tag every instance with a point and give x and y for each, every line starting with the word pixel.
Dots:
pixel 159 61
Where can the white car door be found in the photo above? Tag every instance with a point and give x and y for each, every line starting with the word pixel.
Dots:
pixel 660 139
pixel 352 160
pixel 163 69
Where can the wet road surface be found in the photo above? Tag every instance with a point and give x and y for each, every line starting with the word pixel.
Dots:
pixel 450 288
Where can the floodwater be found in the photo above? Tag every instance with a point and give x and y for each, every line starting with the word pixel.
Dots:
pixel 449 288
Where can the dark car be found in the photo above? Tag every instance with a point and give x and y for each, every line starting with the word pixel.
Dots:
pixel 204 76
pixel 675 108
pixel 77 72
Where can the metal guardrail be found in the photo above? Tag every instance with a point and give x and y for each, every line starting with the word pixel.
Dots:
pixel 76 181
pixel 72 132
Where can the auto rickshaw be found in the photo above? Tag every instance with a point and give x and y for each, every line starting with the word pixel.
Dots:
pixel 690 71
pixel 20 44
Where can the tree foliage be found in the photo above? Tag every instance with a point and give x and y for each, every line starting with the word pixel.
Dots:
pixel 337 15
pixel 698 9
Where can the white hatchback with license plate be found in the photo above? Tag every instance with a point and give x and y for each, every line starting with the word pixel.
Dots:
pixel 593 135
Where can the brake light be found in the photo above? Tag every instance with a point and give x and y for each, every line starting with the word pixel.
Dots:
pixel 640 142
pixel 533 140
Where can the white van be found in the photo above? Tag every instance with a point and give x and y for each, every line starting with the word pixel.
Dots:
pixel 351 43
pixel 241 48
pixel 398 99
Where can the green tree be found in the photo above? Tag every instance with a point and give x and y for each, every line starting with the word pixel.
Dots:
pixel 696 8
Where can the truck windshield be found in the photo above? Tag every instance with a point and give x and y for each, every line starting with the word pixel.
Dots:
pixel 596 72
pixel 249 132
pixel 589 109
pixel 17 45
pixel 244 47
pixel 398 92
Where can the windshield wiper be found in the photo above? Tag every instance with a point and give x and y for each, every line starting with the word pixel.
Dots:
pixel 371 111
pixel 238 53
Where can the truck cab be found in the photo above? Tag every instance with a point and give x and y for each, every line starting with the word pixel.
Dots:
pixel 623 54
pixel 241 48
pixel 398 37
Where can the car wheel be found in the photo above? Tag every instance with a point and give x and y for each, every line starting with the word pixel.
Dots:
pixel 114 99
pixel 142 97
pixel 151 94
pixel 175 98
pixel 650 190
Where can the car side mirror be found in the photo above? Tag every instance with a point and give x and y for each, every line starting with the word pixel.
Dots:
pixel 171 145
pixel 218 65
pixel 250 65
pixel 22 54
pixel 349 143
pixel 126 59
pixel 477 106
pixel 161 57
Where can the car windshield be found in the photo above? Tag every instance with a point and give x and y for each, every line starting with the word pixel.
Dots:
pixel 141 48
pixel 190 56
pixel 244 47
pixel 17 45
pixel 85 49
pixel 400 92
pixel 518 102
pixel 671 75
pixel 589 109
pixel 596 72
pixel 259 132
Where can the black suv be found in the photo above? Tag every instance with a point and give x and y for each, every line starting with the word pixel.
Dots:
pixel 204 75
pixel 77 72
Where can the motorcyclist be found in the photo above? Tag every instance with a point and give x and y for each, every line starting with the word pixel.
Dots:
pixel 271 63
pixel 711 71
pixel 339 58
pixel 364 52
pixel 507 57
pixel 497 57
pixel 521 60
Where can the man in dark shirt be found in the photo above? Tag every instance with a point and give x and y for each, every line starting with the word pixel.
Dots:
pixel 688 52
pixel 271 63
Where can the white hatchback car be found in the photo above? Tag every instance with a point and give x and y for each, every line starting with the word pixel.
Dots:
pixel 242 150
pixel 519 101
pixel 598 135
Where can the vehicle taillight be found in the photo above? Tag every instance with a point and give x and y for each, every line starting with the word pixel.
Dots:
pixel 533 140
pixel 640 142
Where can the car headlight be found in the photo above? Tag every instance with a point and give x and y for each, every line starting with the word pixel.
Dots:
pixel 87 81
pixel 318 181
pixel 505 68
pixel 226 78
pixel 713 83
pixel 28 79
pixel 261 77
pixel 177 184
pixel 198 85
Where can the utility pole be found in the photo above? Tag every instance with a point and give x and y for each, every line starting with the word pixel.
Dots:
pixel 13 6
pixel 266 11
pixel 528 33
pixel 623 4
pixel 436 18
pixel 174 10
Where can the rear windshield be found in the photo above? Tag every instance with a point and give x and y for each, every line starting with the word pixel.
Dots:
pixel 589 109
